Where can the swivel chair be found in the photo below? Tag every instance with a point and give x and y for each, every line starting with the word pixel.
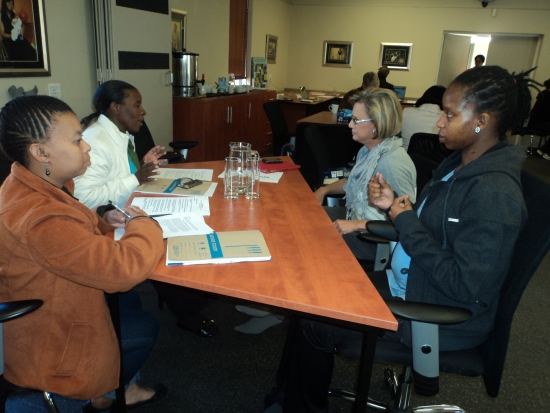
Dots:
pixel 486 360
pixel 144 142
pixel 11 311
pixel 5 167
pixel 428 146
pixel 279 127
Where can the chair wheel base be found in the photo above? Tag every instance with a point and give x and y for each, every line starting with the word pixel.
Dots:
pixel 392 408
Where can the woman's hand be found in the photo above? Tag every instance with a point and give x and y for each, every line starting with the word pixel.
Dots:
pixel 153 155
pixel 400 204
pixel 380 192
pixel 147 170
pixel 118 219
pixel 348 226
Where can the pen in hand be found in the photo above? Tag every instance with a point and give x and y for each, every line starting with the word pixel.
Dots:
pixel 120 210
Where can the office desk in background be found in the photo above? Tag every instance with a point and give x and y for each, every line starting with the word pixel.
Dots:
pixel 324 118
pixel 295 109
pixel 312 270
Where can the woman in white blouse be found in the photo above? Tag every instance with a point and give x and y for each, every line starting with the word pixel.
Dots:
pixel 423 117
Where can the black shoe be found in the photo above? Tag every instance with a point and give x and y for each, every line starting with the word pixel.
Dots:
pixel 207 328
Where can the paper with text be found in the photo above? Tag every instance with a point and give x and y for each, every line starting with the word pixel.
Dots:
pixel 175 173
pixel 173 205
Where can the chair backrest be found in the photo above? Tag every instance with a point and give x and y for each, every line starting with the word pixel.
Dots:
pixel 319 150
pixel 5 167
pixel 279 127
pixel 531 247
pixel 143 141
pixel 424 171
pixel 428 146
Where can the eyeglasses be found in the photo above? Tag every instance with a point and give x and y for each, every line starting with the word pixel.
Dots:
pixel 358 121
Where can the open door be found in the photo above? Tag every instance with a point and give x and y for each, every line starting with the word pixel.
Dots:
pixel 133 44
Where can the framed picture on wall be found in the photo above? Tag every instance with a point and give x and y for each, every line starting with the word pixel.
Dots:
pixel 396 55
pixel 178 31
pixel 24 48
pixel 271 48
pixel 337 53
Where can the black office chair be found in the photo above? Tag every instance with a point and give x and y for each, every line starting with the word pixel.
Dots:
pixel 486 360
pixel 5 167
pixel 143 141
pixel 428 146
pixel 530 130
pixel 11 311
pixel 279 127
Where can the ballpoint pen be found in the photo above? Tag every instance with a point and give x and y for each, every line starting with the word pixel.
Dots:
pixel 120 210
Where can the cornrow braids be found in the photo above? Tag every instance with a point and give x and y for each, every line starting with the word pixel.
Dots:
pixel 493 90
pixel 106 93
pixel 26 120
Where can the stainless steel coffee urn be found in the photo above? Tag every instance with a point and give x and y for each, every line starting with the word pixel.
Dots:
pixel 186 69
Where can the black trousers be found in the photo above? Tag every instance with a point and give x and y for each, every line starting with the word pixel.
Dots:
pixel 306 368
pixel 183 302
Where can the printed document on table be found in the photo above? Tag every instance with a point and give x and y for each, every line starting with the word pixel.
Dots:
pixel 173 205
pixel 185 224
pixel 176 173
pixel 217 248
pixel 172 187
pixel 177 225
pixel 271 178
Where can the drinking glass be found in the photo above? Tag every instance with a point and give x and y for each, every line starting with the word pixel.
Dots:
pixel 231 178
pixel 240 150
pixel 252 190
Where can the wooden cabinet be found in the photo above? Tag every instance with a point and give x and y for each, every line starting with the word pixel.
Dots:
pixel 216 121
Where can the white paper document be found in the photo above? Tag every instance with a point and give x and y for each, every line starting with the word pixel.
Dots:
pixel 179 225
pixel 176 173
pixel 173 205
pixel 271 178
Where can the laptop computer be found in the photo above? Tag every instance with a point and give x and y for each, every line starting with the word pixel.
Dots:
pixel 400 90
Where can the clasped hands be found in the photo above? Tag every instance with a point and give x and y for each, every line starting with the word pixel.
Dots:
pixel 149 164
pixel 382 196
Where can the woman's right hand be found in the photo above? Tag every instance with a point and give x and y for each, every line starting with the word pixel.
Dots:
pixel 380 192
pixel 144 173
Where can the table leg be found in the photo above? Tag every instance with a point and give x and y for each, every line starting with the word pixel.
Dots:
pixel 365 371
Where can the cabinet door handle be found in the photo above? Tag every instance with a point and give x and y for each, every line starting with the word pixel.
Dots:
pixel 231 116
pixel 249 110
pixel 227 119
pixel 171 78
pixel 269 133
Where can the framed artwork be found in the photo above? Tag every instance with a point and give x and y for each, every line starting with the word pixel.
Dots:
pixel 337 54
pixel 178 32
pixel 271 48
pixel 24 47
pixel 396 55
pixel 259 78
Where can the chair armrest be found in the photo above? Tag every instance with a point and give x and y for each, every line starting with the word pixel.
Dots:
pixel 428 313
pixel 383 229
pixel 15 309
pixel 367 236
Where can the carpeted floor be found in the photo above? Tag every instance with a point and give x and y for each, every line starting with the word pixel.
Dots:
pixel 232 372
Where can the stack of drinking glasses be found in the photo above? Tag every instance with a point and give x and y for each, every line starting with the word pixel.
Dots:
pixel 242 172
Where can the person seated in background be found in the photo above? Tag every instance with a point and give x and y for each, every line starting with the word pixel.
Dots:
pixel 370 79
pixel 53 249
pixel 424 116
pixel 383 73
pixel 455 244
pixel 116 172
pixel 539 119
pixel 375 122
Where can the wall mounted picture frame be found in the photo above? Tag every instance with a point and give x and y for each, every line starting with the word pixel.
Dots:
pixel 177 31
pixel 396 55
pixel 337 53
pixel 271 48
pixel 26 52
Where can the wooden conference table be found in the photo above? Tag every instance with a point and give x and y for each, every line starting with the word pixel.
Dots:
pixel 312 270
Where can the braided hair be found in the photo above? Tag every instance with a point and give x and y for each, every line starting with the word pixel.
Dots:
pixel 492 89
pixel 107 93
pixel 26 120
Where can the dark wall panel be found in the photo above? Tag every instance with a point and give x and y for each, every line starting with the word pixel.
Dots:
pixel 143 60
pixel 155 6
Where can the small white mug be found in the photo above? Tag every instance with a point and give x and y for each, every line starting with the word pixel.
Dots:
pixel 204 90
pixel 333 108
pixel 239 88
pixel 231 88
